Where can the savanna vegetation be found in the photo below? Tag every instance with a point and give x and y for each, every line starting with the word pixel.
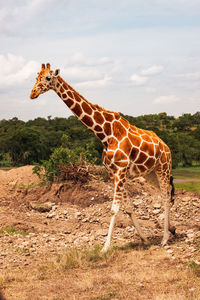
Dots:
pixel 51 141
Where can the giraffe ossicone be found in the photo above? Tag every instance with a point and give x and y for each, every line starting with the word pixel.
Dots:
pixel 126 148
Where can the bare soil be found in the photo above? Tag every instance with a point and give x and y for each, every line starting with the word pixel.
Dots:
pixel 39 224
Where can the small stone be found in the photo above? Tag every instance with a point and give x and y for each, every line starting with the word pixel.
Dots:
pixel 186 199
pixel 85 220
pixel 169 251
pixel 51 215
pixel 130 229
pixel 155 211
pixel 77 214
pixel 157 205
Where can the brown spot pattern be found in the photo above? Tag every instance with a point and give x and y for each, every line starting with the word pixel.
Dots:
pixel 107 128
pixel 70 94
pixel 101 136
pixel 64 96
pixel 108 117
pixel 87 120
pixel 126 146
pixel 135 140
pixel 77 110
pixel 69 102
pixel 125 122
pixel 121 164
pixel 142 168
pixel 147 138
pixel 163 157
pixel 112 143
pixel 150 162
pixel 119 155
pixel 134 153
pixel 148 148
pixel 97 128
pixel 141 159
pixel 77 97
pixel 87 109
pixel 118 130
pixel 98 117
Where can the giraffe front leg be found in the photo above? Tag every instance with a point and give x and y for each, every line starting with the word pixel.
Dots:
pixel 114 212
pixel 129 210
pixel 118 181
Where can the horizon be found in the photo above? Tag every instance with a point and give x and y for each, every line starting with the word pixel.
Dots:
pixel 124 115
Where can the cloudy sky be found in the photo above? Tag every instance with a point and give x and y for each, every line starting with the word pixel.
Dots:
pixel 132 56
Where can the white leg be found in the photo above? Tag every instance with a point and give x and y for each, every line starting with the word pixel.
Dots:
pixel 119 186
pixel 130 212
pixel 110 230
pixel 166 222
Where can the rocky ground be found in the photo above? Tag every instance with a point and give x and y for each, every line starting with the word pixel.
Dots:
pixel 36 222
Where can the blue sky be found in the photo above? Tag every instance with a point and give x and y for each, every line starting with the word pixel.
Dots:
pixel 132 56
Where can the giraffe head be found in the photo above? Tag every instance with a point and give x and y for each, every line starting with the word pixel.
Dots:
pixel 45 81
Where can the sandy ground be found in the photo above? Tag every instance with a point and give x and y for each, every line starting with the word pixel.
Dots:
pixel 39 226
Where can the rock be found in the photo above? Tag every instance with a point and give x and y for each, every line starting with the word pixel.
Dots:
pixel 130 229
pixel 102 232
pixel 77 214
pixel 138 202
pixel 41 207
pixel 51 215
pixel 155 211
pixel 157 205
pixel 169 251
pixel 186 199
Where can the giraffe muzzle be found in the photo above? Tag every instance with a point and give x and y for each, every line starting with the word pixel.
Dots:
pixel 34 94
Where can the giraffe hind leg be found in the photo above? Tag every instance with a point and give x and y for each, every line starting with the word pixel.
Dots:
pixel 130 212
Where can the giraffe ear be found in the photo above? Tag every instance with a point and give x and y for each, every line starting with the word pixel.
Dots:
pixel 56 73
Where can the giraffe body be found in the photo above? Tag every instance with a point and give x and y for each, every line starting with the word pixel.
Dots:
pixel 127 149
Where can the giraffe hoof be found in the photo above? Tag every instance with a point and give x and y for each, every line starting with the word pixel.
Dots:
pixel 105 248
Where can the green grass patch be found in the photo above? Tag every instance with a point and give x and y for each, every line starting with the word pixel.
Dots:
pixel 76 258
pixel 12 231
pixel 189 172
pixel 191 186
pixel 106 296
pixel 73 258
pixel 195 268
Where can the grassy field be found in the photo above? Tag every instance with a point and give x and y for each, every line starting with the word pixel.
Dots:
pixel 187 178
pixel 189 172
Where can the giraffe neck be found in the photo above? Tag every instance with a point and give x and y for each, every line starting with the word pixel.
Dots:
pixel 91 115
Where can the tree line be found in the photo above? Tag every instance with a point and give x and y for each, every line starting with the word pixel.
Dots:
pixel 38 140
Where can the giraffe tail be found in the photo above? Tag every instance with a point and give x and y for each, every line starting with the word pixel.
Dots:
pixel 172 190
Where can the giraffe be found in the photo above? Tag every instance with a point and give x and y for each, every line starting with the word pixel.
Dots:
pixel 126 148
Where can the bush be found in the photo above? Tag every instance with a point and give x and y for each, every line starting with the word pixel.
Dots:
pixel 64 164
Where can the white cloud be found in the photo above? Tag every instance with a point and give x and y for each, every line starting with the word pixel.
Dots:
pixel 87 71
pixel 189 76
pixel 166 99
pixel 150 90
pixel 77 73
pixel 15 14
pixel 138 80
pixel 95 83
pixel 15 70
pixel 153 70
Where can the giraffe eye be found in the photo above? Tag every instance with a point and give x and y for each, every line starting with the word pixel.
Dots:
pixel 48 78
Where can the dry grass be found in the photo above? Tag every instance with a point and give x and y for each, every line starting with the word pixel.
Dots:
pixel 88 274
